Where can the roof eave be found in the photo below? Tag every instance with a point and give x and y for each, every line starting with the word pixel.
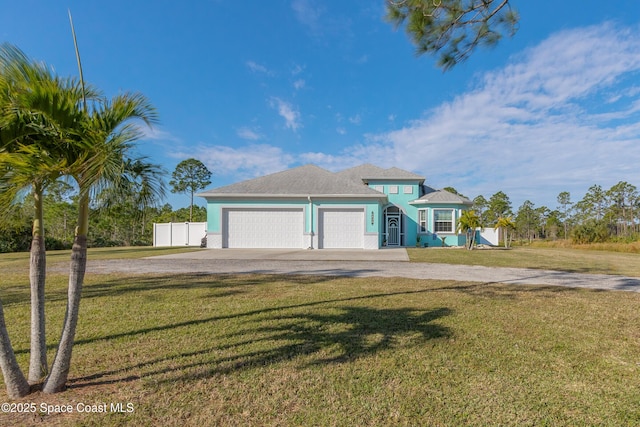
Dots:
pixel 420 180
pixel 440 202
pixel 288 196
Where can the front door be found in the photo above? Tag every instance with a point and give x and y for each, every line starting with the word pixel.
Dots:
pixel 393 230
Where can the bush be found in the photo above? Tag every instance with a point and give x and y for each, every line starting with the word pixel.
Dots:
pixel 16 240
pixel 591 231
pixel 101 242
pixel 53 244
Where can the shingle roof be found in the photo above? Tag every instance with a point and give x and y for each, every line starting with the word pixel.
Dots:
pixel 369 172
pixel 301 181
pixel 442 196
pixel 358 172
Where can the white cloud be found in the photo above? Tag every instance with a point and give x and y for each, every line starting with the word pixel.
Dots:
pixel 341 131
pixel 156 134
pixel 258 68
pixel 321 24
pixel 308 14
pixel 297 69
pixel 536 127
pixel 354 155
pixel 356 120
pixel 299 84
pixel 288 112
pixel 248 134
pixel 242 162
pixel 560 116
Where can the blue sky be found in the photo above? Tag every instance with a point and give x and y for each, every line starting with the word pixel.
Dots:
pixel 255 87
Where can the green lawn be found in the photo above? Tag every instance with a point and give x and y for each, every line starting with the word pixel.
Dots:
pixel 278 350
pixel 572 260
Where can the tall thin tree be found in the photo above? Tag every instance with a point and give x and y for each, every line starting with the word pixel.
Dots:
pixel 190 176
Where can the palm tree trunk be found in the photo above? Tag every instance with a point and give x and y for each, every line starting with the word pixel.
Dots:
pixel 16 383
pixel 56 381
pixel 37 272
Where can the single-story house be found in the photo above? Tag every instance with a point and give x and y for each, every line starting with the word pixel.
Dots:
pixel 364 207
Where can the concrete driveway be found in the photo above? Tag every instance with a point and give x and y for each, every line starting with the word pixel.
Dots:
pixel 354 263
pixel 386 254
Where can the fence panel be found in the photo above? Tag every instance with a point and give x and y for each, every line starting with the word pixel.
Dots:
pixel 179 233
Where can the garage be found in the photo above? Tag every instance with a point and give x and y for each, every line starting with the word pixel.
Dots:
pixel 340 228
pixel 263 228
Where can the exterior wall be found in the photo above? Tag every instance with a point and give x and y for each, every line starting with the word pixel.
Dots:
pixel 400 199
pixel 431 238
pixel 215 215
pixel 372 217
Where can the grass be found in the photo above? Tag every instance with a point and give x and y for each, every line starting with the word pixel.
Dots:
pixel 289 350
pixel 547 258
pixel 18 261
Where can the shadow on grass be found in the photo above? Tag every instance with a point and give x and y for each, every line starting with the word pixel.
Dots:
pixel 321 332
pixel 220 284
pixel 228 285
pixel 319 337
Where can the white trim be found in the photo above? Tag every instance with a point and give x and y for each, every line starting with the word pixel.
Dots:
pixel 453 220
pixel 426 221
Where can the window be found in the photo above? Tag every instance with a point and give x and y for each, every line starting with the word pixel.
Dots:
pixel 393 189
pixel 443 220
pixel 422 221
pixel 408 189
pixel 379 188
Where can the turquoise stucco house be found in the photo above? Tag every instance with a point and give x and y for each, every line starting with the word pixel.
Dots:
pixel 364 207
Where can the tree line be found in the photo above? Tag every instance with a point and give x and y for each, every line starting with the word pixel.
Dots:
pixel 600 216
pixel 125 224
pixel 117 218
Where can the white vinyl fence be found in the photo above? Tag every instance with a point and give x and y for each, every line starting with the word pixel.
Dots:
pixel 179 233
pixel 489 236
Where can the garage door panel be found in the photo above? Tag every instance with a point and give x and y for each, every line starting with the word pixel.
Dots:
pixel 263 228
pixel 341 228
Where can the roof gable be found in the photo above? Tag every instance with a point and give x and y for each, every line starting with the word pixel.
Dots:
pixel 442 197
pixel 368 172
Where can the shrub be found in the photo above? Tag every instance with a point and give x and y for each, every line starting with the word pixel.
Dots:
pixel 591 231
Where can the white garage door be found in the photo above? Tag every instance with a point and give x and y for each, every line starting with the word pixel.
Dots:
pixel 341 228
pixel 263 228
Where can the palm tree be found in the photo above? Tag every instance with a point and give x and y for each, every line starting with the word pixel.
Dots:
pixel 45 134
pixel 505 224
pixel 469 222
pixel 108 131
pixel 36 110
pixel 140 189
